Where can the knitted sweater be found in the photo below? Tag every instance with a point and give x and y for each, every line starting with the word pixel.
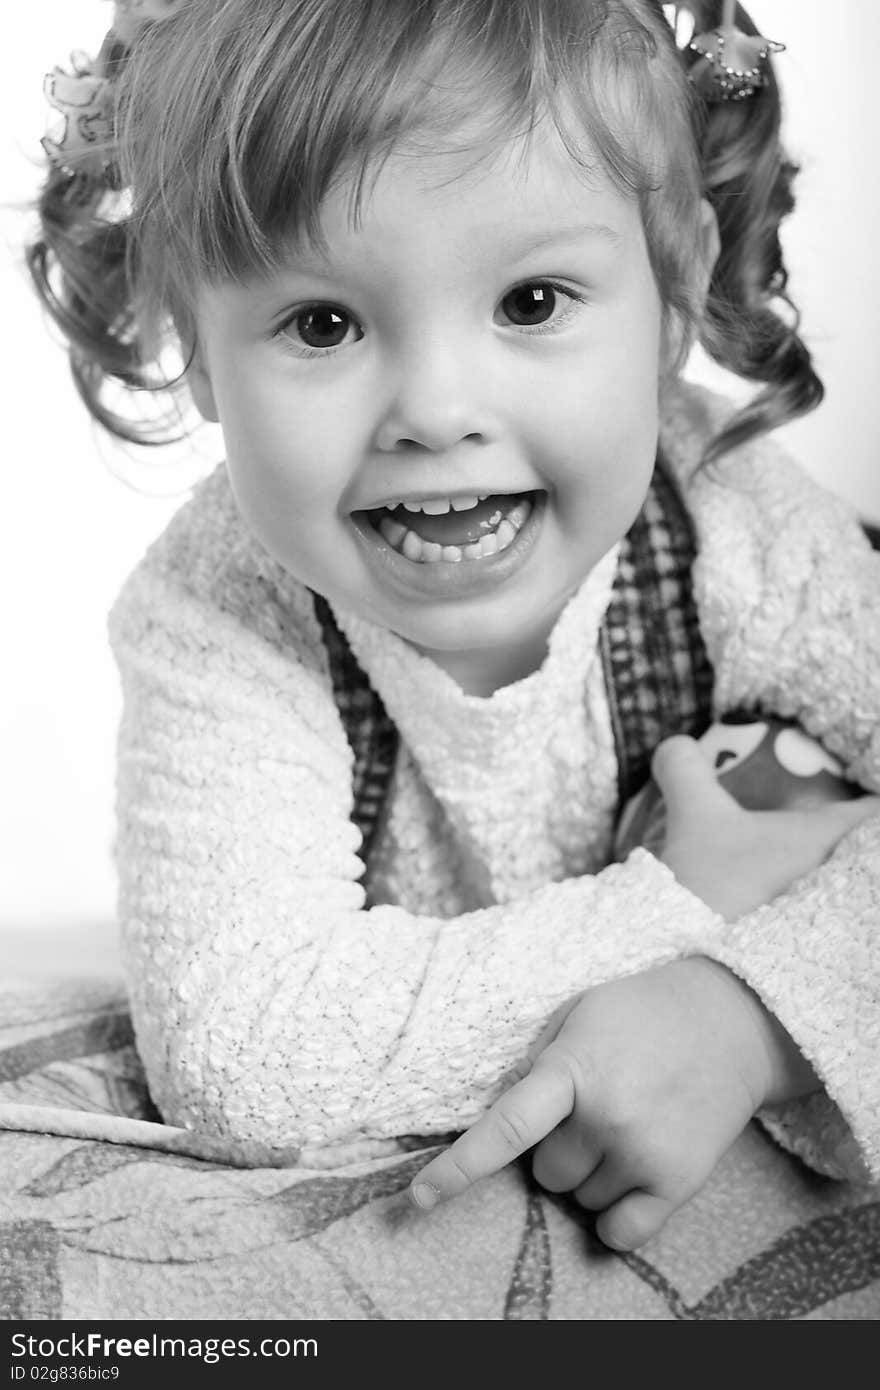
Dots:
pixel 270 1004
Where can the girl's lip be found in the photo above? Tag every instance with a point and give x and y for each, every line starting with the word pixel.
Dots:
pixel 446 578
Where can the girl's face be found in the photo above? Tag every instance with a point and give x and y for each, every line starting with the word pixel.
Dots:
pixel 445 415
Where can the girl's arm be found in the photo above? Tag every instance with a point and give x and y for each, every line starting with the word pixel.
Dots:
pixel 813 957
pixel 788 588
pixel 268 1003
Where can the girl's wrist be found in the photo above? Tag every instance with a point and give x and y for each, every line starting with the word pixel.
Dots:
pixel 773 1067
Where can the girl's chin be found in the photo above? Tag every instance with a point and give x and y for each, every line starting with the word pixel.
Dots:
pixel 482 646
pixel 481 670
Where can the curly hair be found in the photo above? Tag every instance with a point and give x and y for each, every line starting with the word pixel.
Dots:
pixel 749 323
pixel 233 119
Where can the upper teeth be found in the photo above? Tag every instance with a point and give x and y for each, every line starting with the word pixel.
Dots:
pixel 496 534
pixel 436 506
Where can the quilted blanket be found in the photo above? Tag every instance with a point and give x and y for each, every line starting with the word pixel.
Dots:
pixel 107 1213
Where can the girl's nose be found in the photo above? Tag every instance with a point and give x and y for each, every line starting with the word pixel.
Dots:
pixel 437 404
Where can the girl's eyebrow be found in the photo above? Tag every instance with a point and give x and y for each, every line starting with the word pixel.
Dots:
pixel 314 260
pixel 561 235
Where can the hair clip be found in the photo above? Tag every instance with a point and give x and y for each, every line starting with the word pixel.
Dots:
pixel 84 99
pixel 731 65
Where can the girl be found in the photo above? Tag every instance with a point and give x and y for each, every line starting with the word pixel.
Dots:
pixel 434 267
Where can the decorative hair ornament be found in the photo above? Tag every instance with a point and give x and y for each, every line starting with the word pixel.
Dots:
pixel 84 99
pixel 731 65
pixel 84 144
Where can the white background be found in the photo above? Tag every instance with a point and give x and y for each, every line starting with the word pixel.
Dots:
pixel 77 512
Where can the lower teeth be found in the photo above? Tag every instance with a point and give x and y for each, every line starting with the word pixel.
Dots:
pixel 407 543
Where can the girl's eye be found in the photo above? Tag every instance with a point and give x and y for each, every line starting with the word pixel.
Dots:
pixel 529 304
pixel 537 302
pixel 321 327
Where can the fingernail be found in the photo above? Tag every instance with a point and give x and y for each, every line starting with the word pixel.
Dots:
pixel 424 1195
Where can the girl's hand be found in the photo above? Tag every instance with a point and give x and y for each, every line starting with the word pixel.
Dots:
pixel 736 860
pixel 643 1083
pixel 646 1083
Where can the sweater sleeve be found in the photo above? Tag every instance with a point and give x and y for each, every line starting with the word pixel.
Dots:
pixel 269 1004
pixel 788 587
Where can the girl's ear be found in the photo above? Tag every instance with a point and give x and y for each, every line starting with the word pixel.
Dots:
pixel 199 382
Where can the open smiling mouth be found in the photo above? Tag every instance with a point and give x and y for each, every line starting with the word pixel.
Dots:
pixel 453 529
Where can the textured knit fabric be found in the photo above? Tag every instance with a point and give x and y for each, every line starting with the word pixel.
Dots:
pixel 269 1005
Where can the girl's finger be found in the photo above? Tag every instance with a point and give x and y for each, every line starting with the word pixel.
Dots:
pixel 516 1122
pixel 633 1219
pixel 686 779
pixel 605 1185
pixel 565 1158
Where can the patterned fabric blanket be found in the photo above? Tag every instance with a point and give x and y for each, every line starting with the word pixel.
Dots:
pixel 107 1213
